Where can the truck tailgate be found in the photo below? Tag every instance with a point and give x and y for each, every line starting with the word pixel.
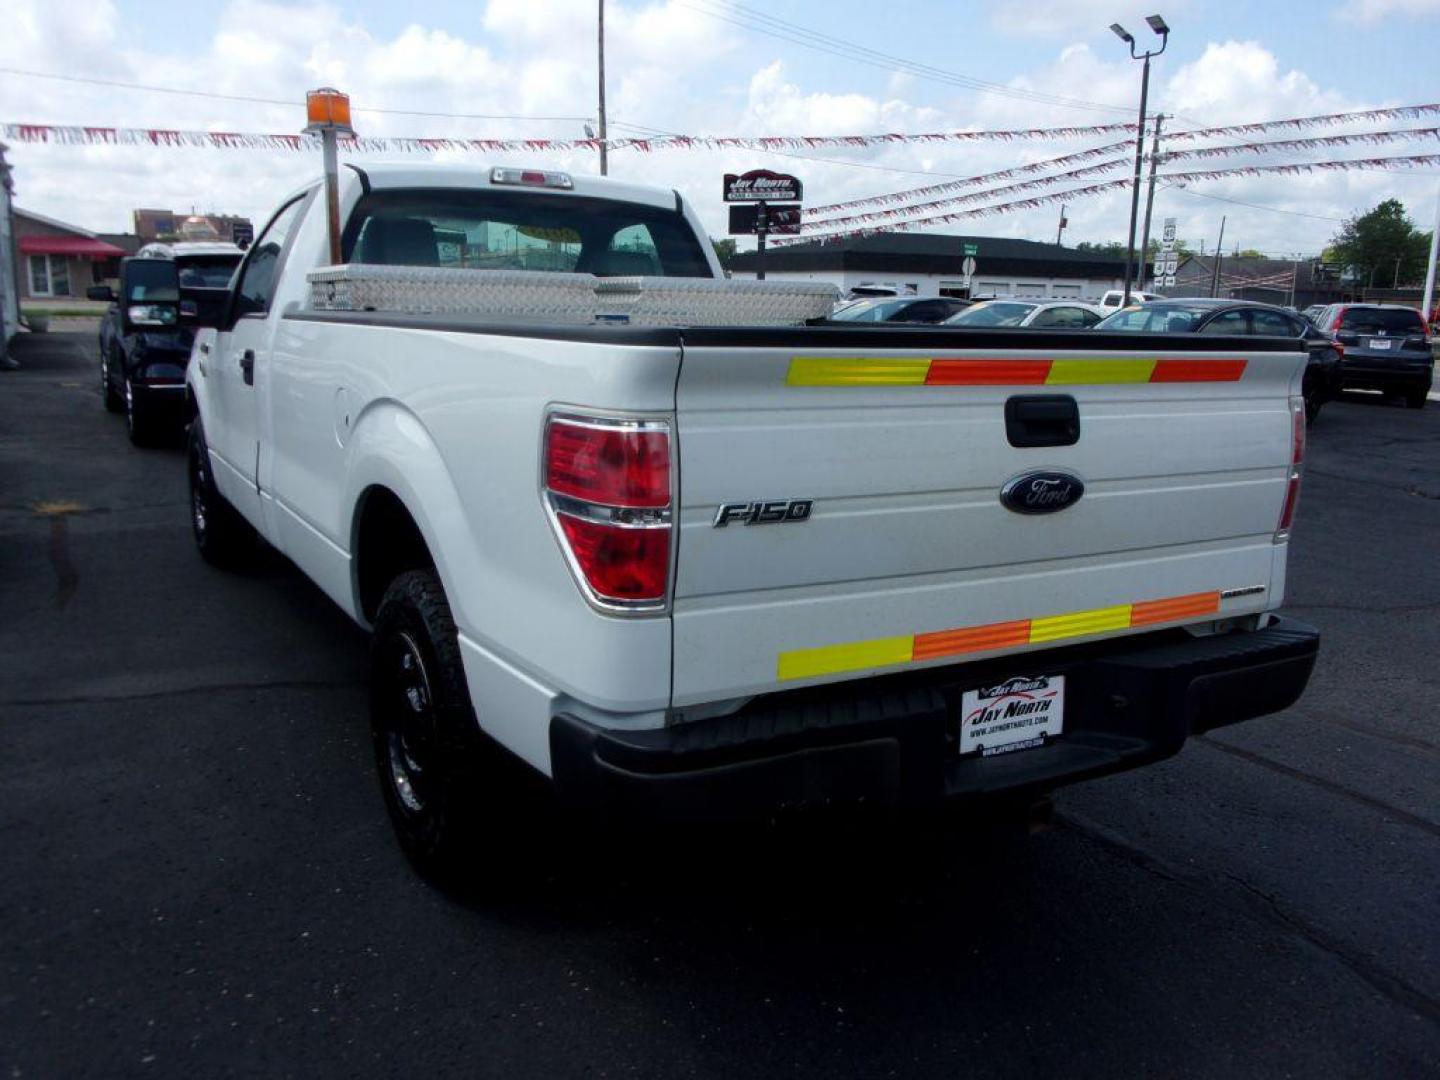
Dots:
pixel 908 556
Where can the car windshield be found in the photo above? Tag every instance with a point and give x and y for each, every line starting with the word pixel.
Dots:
pixel 511 230
pixel 871 310
pixel 992 313
pixel 1155 319
pixel 206 271
pixel 150 280
pixel 1381 321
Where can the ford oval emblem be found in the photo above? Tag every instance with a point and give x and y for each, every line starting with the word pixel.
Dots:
pixel 1042 492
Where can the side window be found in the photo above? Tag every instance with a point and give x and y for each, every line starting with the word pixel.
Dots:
pixel 1229 322
pixel 1089 318
pixel 1061 318
pixel 1273 324
pixel 257 279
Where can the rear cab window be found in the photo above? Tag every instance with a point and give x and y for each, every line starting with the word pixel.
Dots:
pixel 508 230
pixel 1386 321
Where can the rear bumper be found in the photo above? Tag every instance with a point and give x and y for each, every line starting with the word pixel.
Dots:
pixel 1373 373
pixel 893 740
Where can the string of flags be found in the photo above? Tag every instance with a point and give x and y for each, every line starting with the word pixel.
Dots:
pixel 92 135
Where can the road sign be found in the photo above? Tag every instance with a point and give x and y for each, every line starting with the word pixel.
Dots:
pixel 968 266
pixel 783 219
pixel 1167 237
pixel 971 249
pixel 759 185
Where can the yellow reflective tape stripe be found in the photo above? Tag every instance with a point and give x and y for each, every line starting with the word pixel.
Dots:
pixel 1079 623
pixel 856 371
pixel 881 652
pixel 1093 372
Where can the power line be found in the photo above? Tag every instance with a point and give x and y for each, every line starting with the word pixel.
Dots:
pixel 748 19
pixel 267 101
pixel 1253 206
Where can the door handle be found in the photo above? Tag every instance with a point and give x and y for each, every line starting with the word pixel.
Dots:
pixel 1042 420
pixel 247 366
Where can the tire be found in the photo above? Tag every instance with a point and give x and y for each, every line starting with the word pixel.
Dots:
pixel 436 770
pixel 1314 395
pixel 222 536
pixel 114 403
pixel 1415 399
pixel 140 421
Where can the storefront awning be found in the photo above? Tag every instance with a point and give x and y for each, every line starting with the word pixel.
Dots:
pixel 68 245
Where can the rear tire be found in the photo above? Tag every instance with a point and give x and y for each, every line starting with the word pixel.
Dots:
pixel 1415 399
pixel 1314 394
pixel 436 770
pixel 222 536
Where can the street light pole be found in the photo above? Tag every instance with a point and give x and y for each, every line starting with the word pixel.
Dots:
pixel 1158 25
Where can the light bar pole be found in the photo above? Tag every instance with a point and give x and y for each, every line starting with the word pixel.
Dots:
pixel 328 113
pixel 1158 25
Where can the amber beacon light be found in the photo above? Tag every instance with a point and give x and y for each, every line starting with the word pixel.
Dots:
pixel 327 114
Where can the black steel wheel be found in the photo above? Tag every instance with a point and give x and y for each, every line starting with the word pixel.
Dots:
pixel 223 537
pixel 434 766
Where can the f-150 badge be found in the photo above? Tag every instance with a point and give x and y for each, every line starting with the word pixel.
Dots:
pixel 1042 492
pixel 774 512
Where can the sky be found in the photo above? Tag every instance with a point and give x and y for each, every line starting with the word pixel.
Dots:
pixel 724 67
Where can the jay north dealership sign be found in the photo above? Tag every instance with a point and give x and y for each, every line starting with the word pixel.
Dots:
pixel 759 185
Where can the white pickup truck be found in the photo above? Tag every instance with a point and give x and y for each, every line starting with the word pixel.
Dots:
pixel 717 570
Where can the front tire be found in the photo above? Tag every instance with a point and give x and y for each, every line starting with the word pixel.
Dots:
pixel 114 403
pixel 222 536
pixel 140 421
pixel 434 766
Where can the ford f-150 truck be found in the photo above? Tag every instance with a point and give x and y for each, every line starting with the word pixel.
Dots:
pixel 717 570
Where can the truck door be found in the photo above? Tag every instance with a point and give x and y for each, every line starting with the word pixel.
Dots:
pixel 239 362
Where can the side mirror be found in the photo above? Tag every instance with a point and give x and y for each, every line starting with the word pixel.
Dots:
pixel 100 292
pixel 149 293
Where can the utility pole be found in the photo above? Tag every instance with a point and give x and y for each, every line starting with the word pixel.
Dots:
pixel 1428 297
pixel 600 26
pixel 1061 230
pixel 1150 200
pixel 1219 254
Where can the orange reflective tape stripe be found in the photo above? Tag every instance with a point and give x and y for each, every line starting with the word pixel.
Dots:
pixel 1176 607
pixel 973 639
pixel 1171 371
pixel 956 372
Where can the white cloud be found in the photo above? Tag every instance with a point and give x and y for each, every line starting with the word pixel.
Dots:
pixel 531 58
pixel 1373 11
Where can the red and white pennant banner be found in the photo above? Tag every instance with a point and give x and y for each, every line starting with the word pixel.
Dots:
pixel 1367 164
pixel 1314 142
pixel 73 135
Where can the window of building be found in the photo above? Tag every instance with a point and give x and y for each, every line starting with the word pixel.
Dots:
pixel 1065 290
pixel 49 275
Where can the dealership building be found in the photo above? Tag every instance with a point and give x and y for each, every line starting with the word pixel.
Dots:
pixel 930 264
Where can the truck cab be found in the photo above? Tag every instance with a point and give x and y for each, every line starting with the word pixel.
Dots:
pixel 146 334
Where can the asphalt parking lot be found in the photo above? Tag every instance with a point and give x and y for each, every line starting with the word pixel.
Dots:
pixel 199 878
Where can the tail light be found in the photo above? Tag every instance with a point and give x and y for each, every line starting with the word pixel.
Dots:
pixel 1339 317
pixel 1297 459
pixel 608 487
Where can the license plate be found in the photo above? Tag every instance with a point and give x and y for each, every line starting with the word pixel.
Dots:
pixel 1019 713
pixel 1379 343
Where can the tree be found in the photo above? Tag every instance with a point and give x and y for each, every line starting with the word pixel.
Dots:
pixel 724 250
pixel 1382 247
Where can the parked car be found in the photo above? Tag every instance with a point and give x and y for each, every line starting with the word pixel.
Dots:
pixel 1240 318
pixel 914 309
pixel 1115 297
pixel 1382 347
pixel 145 339
pixel 1036 314
pixel 719 632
